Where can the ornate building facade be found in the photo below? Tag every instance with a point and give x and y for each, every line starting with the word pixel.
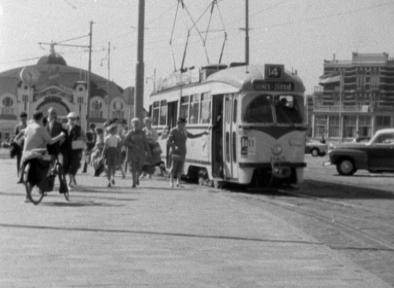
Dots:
pixel 51 83
pixel 356 97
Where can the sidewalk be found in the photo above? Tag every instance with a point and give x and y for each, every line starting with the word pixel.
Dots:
pixel 154 236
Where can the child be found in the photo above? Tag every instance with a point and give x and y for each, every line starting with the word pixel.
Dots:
pixel 112 152
pixel 137 149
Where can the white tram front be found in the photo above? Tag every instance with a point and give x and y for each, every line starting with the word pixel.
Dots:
pixel 255 115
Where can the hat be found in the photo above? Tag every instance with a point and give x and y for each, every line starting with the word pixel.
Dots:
pixel 181 120
pixel 23 114
pixel 72 115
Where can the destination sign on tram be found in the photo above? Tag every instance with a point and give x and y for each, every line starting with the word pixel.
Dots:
pixel 273 86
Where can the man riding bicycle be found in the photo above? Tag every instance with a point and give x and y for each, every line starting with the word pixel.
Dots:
pixel 36 139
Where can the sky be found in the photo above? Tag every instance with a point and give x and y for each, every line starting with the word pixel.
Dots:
pixel 297 33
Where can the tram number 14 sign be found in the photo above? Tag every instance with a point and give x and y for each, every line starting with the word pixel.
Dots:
pixel 273 71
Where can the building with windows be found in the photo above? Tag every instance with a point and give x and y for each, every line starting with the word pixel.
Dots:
pixel 51 82
pixel 356 97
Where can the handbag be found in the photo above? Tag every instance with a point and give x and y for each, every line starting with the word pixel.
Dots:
pixel 78 145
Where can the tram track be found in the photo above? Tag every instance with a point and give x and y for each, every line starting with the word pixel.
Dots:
pixel 363 239
pixel 375 213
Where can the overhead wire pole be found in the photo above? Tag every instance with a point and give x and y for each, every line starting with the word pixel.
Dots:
pixel 89 75
pixel 247 32
pixel 139 77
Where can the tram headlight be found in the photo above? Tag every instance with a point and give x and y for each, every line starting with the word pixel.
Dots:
pixel 277 149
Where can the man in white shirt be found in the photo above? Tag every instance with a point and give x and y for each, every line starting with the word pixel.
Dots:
pixel 37 137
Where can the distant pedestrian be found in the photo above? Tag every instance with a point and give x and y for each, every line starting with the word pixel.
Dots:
pixel 111 152
pixel 18 142
pixel 90 143
pixel 137 150
pixel 155 159
pixel 177 143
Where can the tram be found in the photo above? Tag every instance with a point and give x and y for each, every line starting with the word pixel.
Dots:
pixel 254 115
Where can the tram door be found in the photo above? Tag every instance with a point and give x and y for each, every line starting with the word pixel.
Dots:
pixel 230 136
pixel 172 114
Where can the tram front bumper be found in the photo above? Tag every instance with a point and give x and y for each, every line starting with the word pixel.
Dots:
pixel 278 169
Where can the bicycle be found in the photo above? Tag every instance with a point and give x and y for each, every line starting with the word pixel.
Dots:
pixel 39 173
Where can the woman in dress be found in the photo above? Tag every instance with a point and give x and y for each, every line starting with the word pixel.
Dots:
pixel 74 147
pixel 177 143
pixel 112 144
pixel 97 154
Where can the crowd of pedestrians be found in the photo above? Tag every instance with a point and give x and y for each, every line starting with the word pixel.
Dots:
pixel 108 150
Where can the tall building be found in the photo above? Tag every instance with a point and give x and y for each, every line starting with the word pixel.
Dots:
pixel 52 83
pixel 357 97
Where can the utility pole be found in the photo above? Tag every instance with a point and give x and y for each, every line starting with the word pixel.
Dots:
pixel 89 72
pixel 247 32
pixel 139 77
pixel 109 61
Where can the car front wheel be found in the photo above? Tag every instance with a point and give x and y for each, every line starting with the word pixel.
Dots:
pixel 315 152
pixel 346 167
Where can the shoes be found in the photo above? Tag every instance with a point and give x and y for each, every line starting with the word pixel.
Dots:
pixel 138 182
pixel 109 184
pixel 20 181
pixel 133 186
pixel 27 200
pixel 113 181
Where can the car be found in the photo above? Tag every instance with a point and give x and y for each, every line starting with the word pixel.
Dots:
pixel 375 156
pixel 316 148
pixel 5 144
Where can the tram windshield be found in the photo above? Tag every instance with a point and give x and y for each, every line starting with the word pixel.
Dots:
pixel 288 109
pixel 259 110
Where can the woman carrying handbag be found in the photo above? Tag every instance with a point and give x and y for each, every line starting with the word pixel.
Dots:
pixel 74 146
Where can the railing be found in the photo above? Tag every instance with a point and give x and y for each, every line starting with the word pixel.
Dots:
pixel 342 108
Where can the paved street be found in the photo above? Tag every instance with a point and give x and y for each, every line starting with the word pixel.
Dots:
pixel 154 236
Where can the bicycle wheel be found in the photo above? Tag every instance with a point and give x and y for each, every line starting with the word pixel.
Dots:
pixel 33 192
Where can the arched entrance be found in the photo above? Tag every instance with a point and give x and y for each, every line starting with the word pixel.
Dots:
pixel 55 102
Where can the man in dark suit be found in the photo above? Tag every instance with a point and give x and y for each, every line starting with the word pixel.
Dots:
pixel 54 128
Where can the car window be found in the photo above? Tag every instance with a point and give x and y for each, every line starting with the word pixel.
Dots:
pixel 387 138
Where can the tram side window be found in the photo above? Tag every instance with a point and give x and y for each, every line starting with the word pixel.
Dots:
pixel 259 110
pixel 194 107
pixel 287 110
pixel 184 109
pixel 155 113
pixel 235 104
pixel 205 109
pixel 163 113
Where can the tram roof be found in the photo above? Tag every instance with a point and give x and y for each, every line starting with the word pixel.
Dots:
pixel 241 77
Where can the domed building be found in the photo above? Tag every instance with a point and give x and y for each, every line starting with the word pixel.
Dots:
pixel 52 83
